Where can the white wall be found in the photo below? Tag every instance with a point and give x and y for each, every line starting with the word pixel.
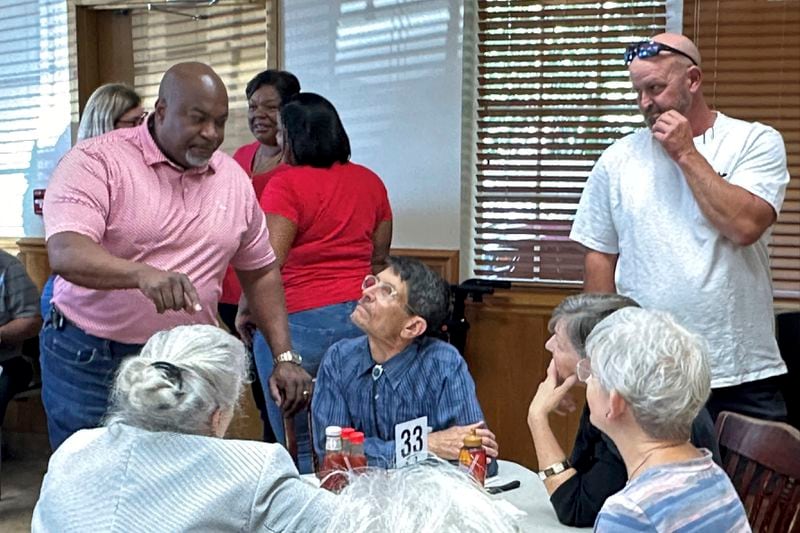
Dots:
pixel 392 68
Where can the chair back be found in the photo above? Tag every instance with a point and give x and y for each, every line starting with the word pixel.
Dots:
pixel 762 458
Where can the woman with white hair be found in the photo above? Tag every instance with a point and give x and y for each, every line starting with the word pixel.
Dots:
pixel 579 484
pixel 647 378
pixel 432 496
pixel 160 464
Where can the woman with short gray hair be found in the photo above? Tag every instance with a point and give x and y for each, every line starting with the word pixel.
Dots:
pixel 579 484
pixel 160 464
pixel 647 378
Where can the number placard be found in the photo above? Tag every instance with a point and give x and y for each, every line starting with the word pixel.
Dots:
pixel 410 441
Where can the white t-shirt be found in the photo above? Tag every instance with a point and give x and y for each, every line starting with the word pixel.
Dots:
pixel 637 204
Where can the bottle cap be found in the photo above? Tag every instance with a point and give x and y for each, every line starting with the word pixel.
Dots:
pixel 356 437
pixel 346 432
pixel 472 440
pixel 333 431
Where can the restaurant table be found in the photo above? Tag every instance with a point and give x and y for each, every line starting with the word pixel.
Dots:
pixel 531 497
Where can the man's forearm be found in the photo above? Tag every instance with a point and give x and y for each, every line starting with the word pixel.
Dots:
pixel 81 261
pixel 735 212
pixel 20 329
pixel 264 292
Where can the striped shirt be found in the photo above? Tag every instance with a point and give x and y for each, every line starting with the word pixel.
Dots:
pixel 122 192
pixel 693 495
pixel 428 378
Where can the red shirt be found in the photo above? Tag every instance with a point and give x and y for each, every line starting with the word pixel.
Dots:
pixel 231 290
pixel 336 211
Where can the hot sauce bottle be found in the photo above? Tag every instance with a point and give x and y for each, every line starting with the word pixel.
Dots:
pixel 357 459
pixel 472 458
pixel 346 432
pixel 333 469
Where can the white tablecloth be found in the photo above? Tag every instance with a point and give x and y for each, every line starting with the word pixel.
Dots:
pixel 531 497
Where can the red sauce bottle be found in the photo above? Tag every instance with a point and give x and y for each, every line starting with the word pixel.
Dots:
pixel 357 459
pixel 333 469
pixel 346 432
pixel 472 458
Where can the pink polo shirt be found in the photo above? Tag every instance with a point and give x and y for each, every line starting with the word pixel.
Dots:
pixel 122 192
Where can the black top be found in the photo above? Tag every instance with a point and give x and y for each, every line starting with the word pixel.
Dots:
pixel 601 471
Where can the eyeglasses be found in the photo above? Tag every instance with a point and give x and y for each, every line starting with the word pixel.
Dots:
pixel 136 121
pixel 584 369
pixel 645 49
pixel 384 290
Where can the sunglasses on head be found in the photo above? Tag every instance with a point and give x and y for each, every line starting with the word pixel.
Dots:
pixel 646 49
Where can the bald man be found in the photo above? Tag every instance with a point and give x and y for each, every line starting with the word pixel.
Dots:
pixel 677 216
pixel 140 225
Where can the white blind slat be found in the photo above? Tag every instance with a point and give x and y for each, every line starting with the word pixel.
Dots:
pixel 553 93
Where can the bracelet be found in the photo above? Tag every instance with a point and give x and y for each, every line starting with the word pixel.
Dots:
pixel 554 469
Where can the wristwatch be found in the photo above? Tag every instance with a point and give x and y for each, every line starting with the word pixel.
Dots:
pixel 552 470
pixel 289 356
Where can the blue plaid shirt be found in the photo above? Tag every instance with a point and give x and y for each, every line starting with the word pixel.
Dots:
pixel 428 378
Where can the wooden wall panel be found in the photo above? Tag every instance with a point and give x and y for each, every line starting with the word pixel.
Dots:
pixel 506 356
pixel 445 262
pixel 104 49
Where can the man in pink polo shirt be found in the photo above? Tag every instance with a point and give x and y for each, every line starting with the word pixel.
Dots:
pixel 141 224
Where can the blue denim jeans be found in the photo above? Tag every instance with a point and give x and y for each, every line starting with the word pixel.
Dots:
pixel 312 332
pixel 78 371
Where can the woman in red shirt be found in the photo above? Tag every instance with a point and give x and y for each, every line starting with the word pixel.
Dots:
pixel 265 94
pixel 330 225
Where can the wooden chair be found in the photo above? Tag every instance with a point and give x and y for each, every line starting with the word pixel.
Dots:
pixel 291 438
pixel 763 460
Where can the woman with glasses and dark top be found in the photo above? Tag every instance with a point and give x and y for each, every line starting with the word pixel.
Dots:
pixel 579 486
pixel 110 107
pixel 330 225
pixel 647 378
pixel 160 462
pixel 265 94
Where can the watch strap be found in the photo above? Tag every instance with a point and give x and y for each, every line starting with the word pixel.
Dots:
pixel 289 356
pixel 554 469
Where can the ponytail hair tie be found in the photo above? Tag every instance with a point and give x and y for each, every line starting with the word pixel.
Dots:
pixel 171 372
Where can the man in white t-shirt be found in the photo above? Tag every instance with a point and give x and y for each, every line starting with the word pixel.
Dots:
pixel 678 216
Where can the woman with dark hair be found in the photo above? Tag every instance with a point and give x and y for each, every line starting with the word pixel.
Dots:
pixel 265 94
pixel 330 225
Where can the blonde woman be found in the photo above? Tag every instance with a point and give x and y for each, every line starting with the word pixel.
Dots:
pixel 111 106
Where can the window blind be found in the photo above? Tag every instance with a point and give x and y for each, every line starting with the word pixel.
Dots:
pixel 233 40
pixel 34 106
pixel 553 93
pixel 751 66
